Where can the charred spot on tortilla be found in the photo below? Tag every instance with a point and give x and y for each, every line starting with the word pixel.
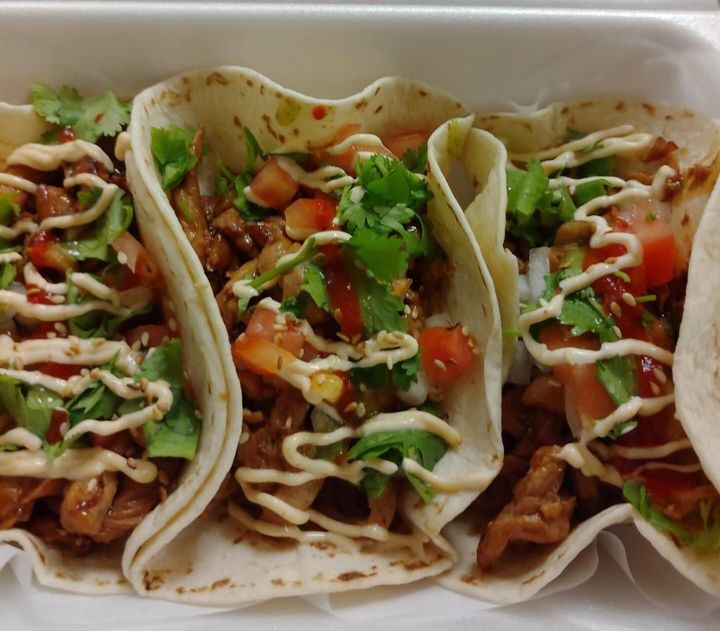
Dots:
pixel 346 577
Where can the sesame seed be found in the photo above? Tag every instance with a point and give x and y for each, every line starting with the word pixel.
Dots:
pixel 343 337
pixel 616 310
pixel 655 388
pixel 415 313
pixel 440 365
pixel 122 258
pixel 64 427
pixel 92 485
pixel 301 354
pixel 360 411
pixel 288 422
pixel 162 492
pixel 465 331
pixel 244 437
pixel 132 463
pixel 172 323
pixel 350 406
pixel 57 299
pixel 660 375
pixel 136 345
pixel 611 259
pixel 406 309
pixel 145 338
pixel 628 298
pixel 84 372
pixel 617 330
pixel 60 328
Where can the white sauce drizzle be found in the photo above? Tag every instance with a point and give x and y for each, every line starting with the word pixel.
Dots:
pixel 599 144
pixel 327 178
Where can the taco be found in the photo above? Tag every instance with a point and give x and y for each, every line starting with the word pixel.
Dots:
pixel 101 430
pixel 587 214
pixel 363 356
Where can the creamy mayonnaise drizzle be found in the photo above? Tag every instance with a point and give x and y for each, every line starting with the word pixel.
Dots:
pixel 74 463
pixel 385 348
pixel 603 143
pixel 32 461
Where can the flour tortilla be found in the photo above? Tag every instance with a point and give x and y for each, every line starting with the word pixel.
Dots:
pixel 482 151
pixel 216 561
pixel 101 572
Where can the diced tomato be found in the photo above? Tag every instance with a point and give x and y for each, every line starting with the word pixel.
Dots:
pixel 304 217
pixel 45 252
pixel 580 380
pixel 66 135
pixel 118 442
pixel 346 160
pixel 156 334
pixel 262 325
pixel 611 283
pixel 61 371
pixel 53 434
pixel 344 300
pixel 260 355
pixel 646 372
pixel 444 353
pixel 401 144
pixel 38 296
pixel 140 262
pixel 274 186
pixel 658 243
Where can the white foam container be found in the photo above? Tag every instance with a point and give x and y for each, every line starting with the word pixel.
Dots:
pixel 527 53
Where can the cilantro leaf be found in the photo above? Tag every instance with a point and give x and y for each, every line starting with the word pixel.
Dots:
pixel 252 151
pixel 164 362
pixel 30 406
pixel 423 447
pixel 382 255
pixel 172 149
pixel 617 375
pixel 177 434
pixel 590 190
pixel 227 181
pixel 380 309
pixel 388 182
pixel 641 501
pixel 534 211
pixel 416 159
pixel 374 482
pixel 8 272
pixel 95 323
pixel 109 227
pixel 9 208
pixel 525 189
pixel 95 402
pixel 404 373
pixel 372 377
pixel 89 198
pixel 91 118
pixel 314 285
pixel 599 166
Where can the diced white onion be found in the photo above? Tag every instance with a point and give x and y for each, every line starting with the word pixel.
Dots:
pixel 523 289
pixel 439 319
pixel 521 367
pixel 538 268
pixel 418 392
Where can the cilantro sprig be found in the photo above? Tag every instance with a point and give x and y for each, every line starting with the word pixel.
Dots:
pixel 227 181
pixel 424 447
pixel 90 118
pixel 708 537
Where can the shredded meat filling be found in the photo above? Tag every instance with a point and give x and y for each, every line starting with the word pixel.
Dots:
pixel 537 513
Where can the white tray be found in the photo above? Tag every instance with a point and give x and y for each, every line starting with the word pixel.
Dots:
pixel 487 57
